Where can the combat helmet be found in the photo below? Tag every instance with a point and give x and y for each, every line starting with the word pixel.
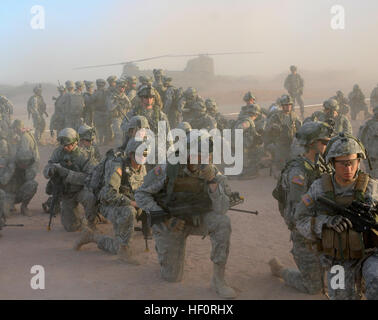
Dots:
pixel 144 80
pixel 111 79
pixel 131 80
pixel 100 82
pixel 293 68
pixel 342 145
pixel 310 132
pixel 121 83
pixel 285 100
pixel 37 89
pixel 61 88
pixel 211 105
pixel 67 136
pixel 356 86
pixel 167 80
pixel 331 104
pixel 17 124
pixel 139 122
pixel 88 84
pixel 79 84
pixel 86 132
pixel 248 96
pixel 69 84
pixel 191 93
pixel 147 91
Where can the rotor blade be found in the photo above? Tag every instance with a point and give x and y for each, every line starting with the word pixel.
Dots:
pixel 213 54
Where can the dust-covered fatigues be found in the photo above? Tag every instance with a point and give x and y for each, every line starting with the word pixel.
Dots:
pixel 358 256
pixel 294 85
pixel 57 119
pixel 37 108
pixel 188 190
pixel 357 103
pixel 339 124
pixel 73 191
pixel 73 109
pixel 368 134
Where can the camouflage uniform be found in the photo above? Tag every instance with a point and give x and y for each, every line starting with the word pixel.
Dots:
pixel 368 134
pixel 161 190
pixel 88 109
pixel 212 110
pixel 374 98
pixel 131 91
pixel 158 83
pixel 171 97
pixel 294 86
pixel 88 133
pixel 252 140
pixel 6 110
pixel 57 119
pixel 319 224
pixel 74 105
pixel 343 103
pixel 357 102
pixel 19 182
pixel 279 133
pixel 189 102
pixel 130 128
pixel 37 108
pixel 200 119
pixel 72 168
pixel 118 105
pixel 99 110
pixel 295 180
pixel 340 123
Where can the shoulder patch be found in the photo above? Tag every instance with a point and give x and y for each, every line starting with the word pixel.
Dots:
pixel 307 200
pixel 119 171
pixel 157 170
pixel 245 124
pixel 299 180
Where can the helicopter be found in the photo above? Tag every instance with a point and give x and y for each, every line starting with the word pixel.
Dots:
pixel 198 69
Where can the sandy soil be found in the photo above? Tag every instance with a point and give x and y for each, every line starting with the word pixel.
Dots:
pixel 93 274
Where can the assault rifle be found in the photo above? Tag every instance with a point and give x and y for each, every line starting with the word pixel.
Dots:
pixel 56 194
pixel 146 229
pixel 196 209
pixel 361 215
pixel 12 225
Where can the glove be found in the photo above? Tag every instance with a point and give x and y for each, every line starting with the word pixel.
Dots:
pixel 175 224
pixel 207 172
pixel 339 223
pixel 63 172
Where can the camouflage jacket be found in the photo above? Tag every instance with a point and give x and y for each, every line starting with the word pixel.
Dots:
pixel 339 124
pixel 294 84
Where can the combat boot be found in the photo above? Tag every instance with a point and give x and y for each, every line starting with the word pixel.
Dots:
pixel 125 255
pixel 276 267
pixel 24 210
pixel 87 236
pixel 219 284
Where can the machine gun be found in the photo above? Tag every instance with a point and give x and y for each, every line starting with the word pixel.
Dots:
pixel 361 215
pixel 196 209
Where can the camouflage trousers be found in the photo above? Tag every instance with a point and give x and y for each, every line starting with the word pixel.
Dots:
pixel 102 124
pixel 122 219
pixel 297 98
pixel 70 215
pixel 170 245
pixel 352 272
pixel 356 109
pixel 118 133
pixel 39 125
pixel 309 276
pixel 24 195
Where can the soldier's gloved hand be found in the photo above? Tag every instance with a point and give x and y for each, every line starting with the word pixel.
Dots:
pixel 63 172
pixel 196 220
pixel 339 223
pixel 175 224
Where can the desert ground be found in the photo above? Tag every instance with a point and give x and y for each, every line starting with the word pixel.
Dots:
pixel 92 274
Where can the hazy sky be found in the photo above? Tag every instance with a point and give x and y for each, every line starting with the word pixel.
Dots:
pixel 97 32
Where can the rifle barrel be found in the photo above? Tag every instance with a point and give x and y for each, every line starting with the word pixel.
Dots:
pixel 245 211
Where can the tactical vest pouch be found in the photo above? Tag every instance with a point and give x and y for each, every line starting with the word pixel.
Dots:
pixel 188 184
pixel 327 242
pixel 356 244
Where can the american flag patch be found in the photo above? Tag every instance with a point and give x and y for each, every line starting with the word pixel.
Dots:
pixel 307 200
pixel 299 180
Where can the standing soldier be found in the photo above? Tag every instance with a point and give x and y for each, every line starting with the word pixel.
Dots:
pixel 122 177
pixel 57 119
pixel 331 115
pixel 88 110
pixel 357 102
pixel 171 98
pixel 158 83
pixel 212 110
pixel 189 199
pixel 6 110
pixel 99 110
pixel 87 136
pixel 368 134
pixel 74 107
pixel 280 132
pixel 343 103
pixel 294 86
pixel 295 180
pixel 131 90
pixel 118 105
pixel 338 240
pixel 37 109
pixel 69 166
pixel 251 140
pixel 189 101
pixel 374 98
